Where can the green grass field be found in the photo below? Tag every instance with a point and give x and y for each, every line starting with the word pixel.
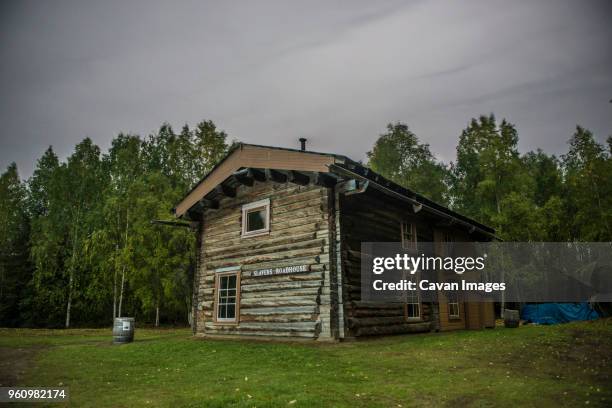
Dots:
pixel 568 365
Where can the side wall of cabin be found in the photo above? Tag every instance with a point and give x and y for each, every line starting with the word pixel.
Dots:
pixel 373 217
pixel 448 322
pixel 295 305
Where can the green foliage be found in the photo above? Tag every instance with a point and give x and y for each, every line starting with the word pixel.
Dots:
pixel 85 224
pixel 14 232
pixel 186 158
pixel 588 187
pixel 546 175
pixel 160 256
pixel 399 156
pixel 515 207
pixel 530 197
pixel 487 168
pixel 48 240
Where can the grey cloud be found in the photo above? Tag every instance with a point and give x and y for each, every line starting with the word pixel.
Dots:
pixel 270 72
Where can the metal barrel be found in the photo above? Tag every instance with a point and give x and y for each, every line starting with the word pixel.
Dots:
pixel 511 318
pixel 123 330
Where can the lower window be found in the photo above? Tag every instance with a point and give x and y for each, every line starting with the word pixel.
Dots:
pixel 227 288
pixel 413 310
pixel 453 304
pixel 413 299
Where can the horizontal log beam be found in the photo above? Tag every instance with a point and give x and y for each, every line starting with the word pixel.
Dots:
pixel 259 287
pixel 354 322
pixel 227 331
pixel 277 318
pixel 262 311
pixel 394 329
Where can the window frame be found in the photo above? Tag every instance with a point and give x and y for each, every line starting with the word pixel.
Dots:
pixel 455 301
pixel 412 244
pixel 415 299
pixel 225 320
pixel 246 208
pixel 407 226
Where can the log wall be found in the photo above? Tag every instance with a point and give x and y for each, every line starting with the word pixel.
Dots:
pixel 298 305
pixel 369 217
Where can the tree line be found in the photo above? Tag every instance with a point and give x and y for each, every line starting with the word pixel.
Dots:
pixel 77 242
pixel 526 197
pixel 77 246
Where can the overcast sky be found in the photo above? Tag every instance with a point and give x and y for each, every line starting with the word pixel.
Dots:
pixel 270 72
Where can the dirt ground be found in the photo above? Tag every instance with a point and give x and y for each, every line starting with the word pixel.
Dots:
pixel 14 362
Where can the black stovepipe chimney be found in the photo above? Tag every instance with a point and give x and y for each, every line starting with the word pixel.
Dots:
pixel 303 143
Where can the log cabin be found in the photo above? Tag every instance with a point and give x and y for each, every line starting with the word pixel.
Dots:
pixel 279 235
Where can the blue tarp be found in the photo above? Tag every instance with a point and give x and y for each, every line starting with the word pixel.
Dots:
pixel 553 313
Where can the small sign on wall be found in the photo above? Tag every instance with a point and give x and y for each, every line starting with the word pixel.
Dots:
pixel 286 270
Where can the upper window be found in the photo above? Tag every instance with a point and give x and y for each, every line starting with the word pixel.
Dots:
pixel 408 235
pixel 256 218
pixel 448 243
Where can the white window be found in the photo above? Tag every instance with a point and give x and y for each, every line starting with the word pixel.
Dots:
pixel 256 218
pixel 413 306
pixel 227 286
pixel 408 235
pixel 453 304
pixel 413 300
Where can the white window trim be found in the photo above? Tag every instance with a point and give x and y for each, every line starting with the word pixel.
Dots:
pixel 414 278
pixel 414 318
pixel 218 277
pixel 451 315
pixel 246 208
pixel 454 302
